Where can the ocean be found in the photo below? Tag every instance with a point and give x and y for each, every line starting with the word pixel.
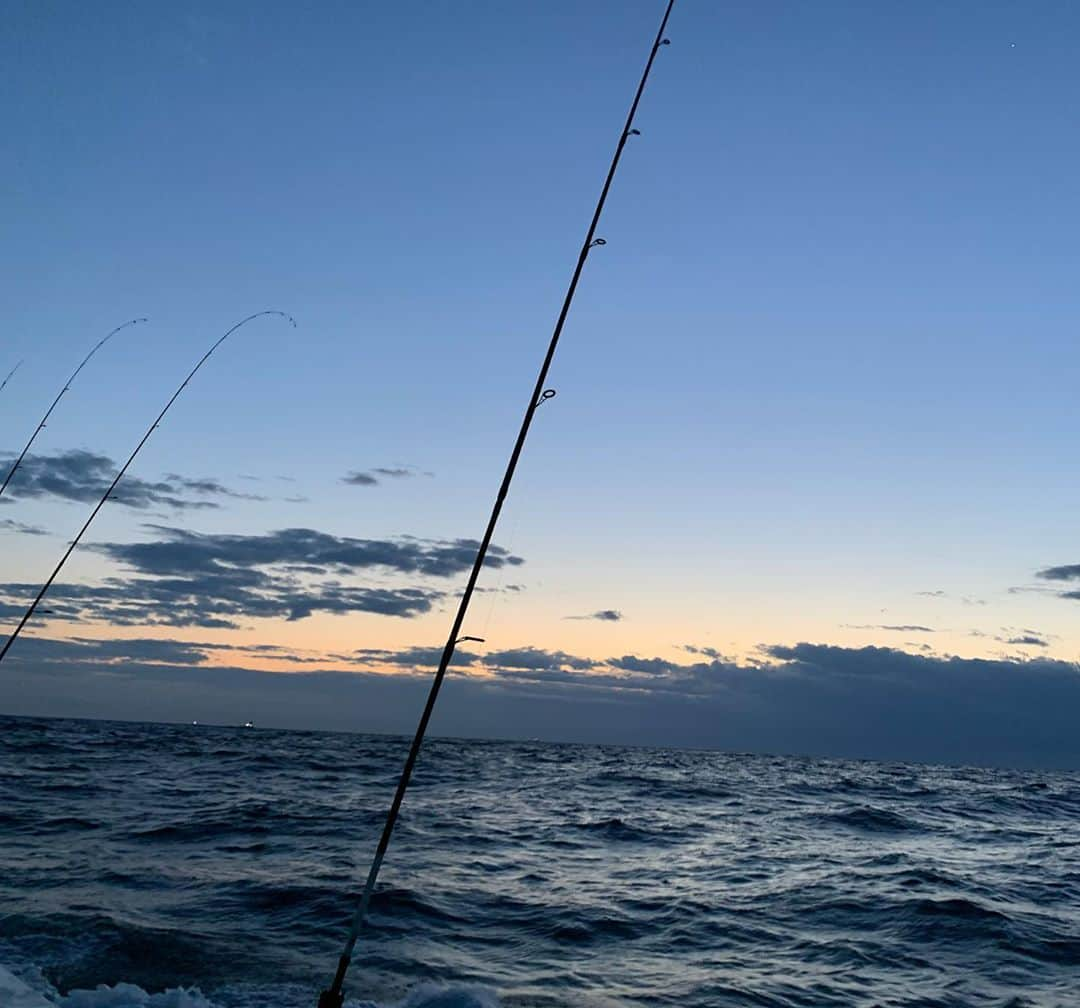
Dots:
pixel 212 867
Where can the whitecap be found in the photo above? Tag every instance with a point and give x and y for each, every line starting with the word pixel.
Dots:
pixel 16 993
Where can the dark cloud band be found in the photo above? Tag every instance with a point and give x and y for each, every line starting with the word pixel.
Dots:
pixel 804 698
pixel 185 578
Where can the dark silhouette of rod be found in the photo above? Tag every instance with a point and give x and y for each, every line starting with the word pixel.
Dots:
pixel 120 475
pixel 333 997
pixel 9 374
pixel 60 395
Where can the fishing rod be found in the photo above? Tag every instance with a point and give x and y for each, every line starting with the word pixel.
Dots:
pixel 9 374
pixel 333 997
pixel 75 374
pixel 120 475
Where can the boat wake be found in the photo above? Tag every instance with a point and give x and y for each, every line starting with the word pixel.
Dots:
pixel 16 993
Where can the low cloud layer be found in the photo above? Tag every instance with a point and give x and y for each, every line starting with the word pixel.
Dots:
pixel 604 615
pixel 806 698
pixel 180 552
pixel 184 578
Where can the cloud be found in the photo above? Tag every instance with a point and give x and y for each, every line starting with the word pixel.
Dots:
pixel 417 658
pixel 1063 573
pixel 83 476
pixel 898 627
pixel 1027 639
pixel 708 652
pixel 209 488
pixel 124 651
pixel 941 594
pixel 359 479
pixel 185 578
pixel 372 477
pixel 604 615
pixel 182 552
pixel 83 649
pixel 10 525
pixel 532 659
pixel 648 666
pixel 217 600
pixel 1067 572
pixel 807 698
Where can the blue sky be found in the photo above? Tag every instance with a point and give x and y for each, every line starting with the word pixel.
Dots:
pixel 819 383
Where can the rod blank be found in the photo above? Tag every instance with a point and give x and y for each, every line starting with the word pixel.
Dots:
pixel 9 374
pixel 333 997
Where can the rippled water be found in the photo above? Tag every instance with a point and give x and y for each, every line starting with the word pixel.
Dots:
pixel 226 859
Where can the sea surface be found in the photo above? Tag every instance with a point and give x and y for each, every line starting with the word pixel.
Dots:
pixel 188 866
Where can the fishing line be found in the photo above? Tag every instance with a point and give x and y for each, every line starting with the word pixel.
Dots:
pixel 120 475
pixel 333 997
pixel 500 579
pixel 60 395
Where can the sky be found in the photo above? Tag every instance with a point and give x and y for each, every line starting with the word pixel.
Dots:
pixel 808 484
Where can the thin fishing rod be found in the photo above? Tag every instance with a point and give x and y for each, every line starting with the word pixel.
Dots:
pixel 333 996
pixel 120 475
pixel 9 374
pixel 75 374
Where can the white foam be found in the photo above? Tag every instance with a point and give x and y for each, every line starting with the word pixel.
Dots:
pixel 125 995
pixel 15 993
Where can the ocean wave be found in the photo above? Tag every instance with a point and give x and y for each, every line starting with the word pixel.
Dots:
pixel 616 829
pixel 257 818
pixel 185 864
pixel 958 909
pixel 872 820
